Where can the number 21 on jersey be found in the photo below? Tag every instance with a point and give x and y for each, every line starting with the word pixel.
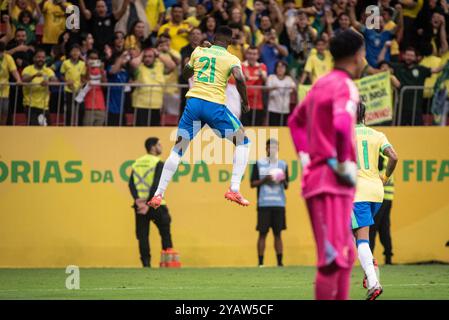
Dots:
pixel 209 64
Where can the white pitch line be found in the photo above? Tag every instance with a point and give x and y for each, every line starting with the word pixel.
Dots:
pixel 415 284
pixel 197 287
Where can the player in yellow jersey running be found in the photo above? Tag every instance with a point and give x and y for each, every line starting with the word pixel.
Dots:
pixel 211 68
pixel 369 193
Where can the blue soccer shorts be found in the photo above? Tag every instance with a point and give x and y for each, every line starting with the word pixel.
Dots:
pixel 199 112
pixel 363 213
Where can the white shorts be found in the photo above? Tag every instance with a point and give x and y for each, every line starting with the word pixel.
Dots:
pixel 233 100
pixel 171 103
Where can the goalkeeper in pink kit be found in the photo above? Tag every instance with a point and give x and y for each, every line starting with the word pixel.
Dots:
pixel 323 131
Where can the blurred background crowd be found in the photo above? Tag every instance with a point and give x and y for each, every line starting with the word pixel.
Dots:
pixel 122 65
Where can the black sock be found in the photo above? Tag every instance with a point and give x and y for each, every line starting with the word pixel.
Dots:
pixel 260 260
pixel 279 256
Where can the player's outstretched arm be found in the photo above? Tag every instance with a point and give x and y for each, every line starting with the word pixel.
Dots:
pixel 187 72
pixel 392 160
pixel 241 87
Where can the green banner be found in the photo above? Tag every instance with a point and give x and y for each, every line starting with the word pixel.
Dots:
pixel 375 93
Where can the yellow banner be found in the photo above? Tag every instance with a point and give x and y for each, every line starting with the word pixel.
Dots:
pixel 64 199
pixel 375 93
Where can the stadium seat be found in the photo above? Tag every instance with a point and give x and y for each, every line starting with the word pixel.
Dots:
pixel 169 119
pixel 20 119
pixel 56 120
pixel 130 119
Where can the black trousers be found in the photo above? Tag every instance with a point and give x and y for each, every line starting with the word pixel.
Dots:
pixel 37 117
pixel 277 119
pixel 75 111
pixel 147 117
pixel 253 118
pixel 114 120
pixel 382 225
pixel 162 220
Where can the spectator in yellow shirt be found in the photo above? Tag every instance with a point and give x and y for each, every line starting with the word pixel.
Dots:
pixel 238 44
pixel 18 6
pixel 7 68
pixel 387 15
pixel 236 16
pixel 36 95
pixel 171 99
pixel 176 28
pixel 54 22
pixel 318 64
pixel 150 69
pixel 136 39
pixel 429 60
pixel 155 12
pixel 411 10
pixel 195 20
pixel 72 71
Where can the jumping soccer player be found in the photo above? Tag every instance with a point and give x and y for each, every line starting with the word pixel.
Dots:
pixel 323 131
pixel 211 67
pixel 369 194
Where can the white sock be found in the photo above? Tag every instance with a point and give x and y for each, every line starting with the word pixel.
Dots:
pixel 366 260
pixel 170 167
pixel 241 157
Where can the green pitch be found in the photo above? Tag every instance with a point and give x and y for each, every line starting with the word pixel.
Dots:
pixel 400 282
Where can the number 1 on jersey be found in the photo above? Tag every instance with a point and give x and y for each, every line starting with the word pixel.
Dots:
pixel 205 78
pixel 365 155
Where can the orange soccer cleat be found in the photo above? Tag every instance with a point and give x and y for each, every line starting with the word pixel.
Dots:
pixel 374 292
pixel 155 202
pixel 237 198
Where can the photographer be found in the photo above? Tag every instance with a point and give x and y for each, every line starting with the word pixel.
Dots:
pixel 95 114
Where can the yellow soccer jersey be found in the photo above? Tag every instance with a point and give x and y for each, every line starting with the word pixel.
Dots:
pixel 54 21
pixel 430 62
pixel 178 41
pixel 370 144
pixel 73 72
pixel 149 97
pixel 319 66
pixel 172 77
pixel 7 65
pixel 212 68
pixel 37 96
pixel 153 9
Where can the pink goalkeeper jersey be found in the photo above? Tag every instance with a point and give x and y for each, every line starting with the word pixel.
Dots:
pixel 323 125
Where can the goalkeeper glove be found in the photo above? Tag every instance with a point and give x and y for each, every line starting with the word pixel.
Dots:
pixel 346 172
pixel 304 158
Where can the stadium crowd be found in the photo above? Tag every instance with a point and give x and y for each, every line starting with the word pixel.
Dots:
pixel 130 43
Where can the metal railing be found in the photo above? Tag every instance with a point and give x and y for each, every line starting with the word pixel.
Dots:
pixel 116 106
pixel 57 107
pixel 414 109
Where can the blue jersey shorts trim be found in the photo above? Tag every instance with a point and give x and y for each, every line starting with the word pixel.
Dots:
pixel 199 112
pixel 363 213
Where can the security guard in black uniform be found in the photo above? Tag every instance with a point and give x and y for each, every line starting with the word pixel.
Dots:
pixel 146 172
pixel 382 218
